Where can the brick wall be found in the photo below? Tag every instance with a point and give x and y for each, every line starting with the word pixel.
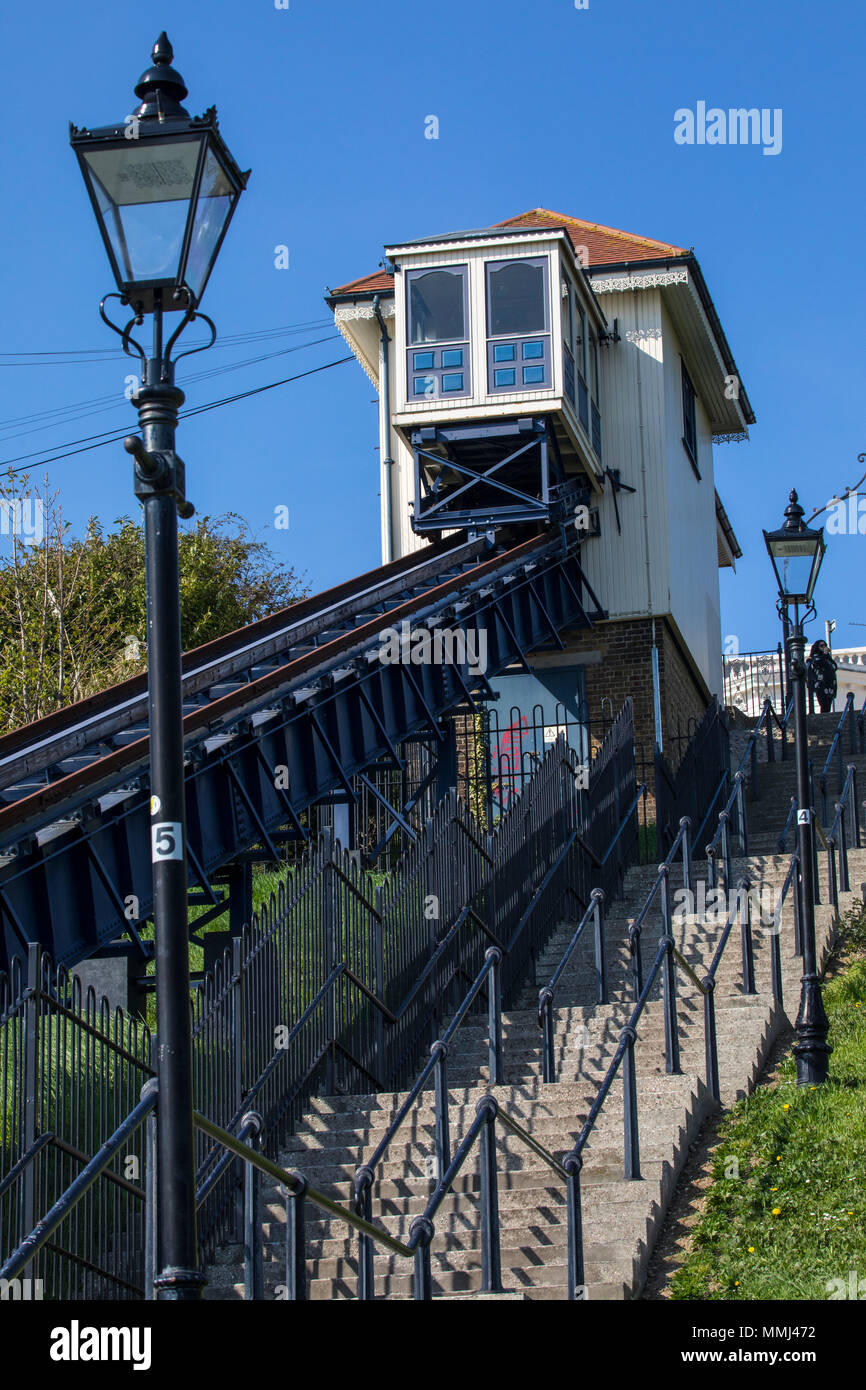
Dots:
pixel 617 662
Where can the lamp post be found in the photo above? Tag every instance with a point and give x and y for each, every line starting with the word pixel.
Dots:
pixel 164 187
pixel 796 553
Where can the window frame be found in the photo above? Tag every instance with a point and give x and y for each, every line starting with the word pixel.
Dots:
pixel 689 398
pixel 435 374
pixel 415 274
pixel 489 266
pixel 522 359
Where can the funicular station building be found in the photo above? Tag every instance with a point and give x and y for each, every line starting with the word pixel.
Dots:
pixel 547 370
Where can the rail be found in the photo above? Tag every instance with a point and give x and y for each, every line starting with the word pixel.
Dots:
pixel 844 833
pixel 849 718
pixel 666 957
pixel 661 885
pixel 592 913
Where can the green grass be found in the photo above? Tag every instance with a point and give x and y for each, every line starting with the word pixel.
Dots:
pixel 786 1210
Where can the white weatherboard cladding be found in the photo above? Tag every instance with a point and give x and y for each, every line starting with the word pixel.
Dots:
pixel 691 524
pixel 411 412
pixel 629 572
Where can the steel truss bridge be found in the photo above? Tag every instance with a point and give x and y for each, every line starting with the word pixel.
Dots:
pixel 288 712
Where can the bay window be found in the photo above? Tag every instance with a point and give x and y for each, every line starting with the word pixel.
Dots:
pixel 518 325
pixel 437 311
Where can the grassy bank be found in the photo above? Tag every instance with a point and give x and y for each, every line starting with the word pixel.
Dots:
pixel 785 1214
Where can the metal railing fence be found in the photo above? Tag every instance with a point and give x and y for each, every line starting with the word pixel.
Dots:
pixel 70 1069
pixel 338 984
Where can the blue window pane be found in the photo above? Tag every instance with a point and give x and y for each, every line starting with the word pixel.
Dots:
pixel 533 376
pixel 452 381
pixel 532 350
pixel 505 376
pixel 452 358
pixel 506 353
pixel 424 385
pixel 422 360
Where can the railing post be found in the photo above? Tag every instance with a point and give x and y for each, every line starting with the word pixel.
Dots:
pixel 776 961
pixel 823 787
pixel 491 1271
pixel 852 723
pixel 420 1235
pixel 634 932
pixel 442 1134
pixel 600 959
pixel 379 983
pixel 253 1259
pixel 712 869
pixel 726 850
pixel 741 812
pixel 832 880
pixel 744 892
pixel 855 810
pixel 236 1062
pixel 364 1207
pixel 631 1138
pixel 30 1087
pixel 494 1018
pixel 545 1018
pixel 151 1223
pixel 576 1278
pixel 672 1040
pixel 816 877
pixel 771 749
pixel 296 1239
pixel 798 934
pixel 686 827
pixel 710 1042
pixel 844 882
pixel 329 912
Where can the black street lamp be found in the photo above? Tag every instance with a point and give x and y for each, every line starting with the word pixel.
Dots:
pixel 796 553
pixel 164 187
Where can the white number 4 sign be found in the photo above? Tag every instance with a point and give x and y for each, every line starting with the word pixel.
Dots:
pixel 166 841
pixel 804 817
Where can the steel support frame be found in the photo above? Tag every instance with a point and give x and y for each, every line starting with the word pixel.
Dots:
pixel 323 734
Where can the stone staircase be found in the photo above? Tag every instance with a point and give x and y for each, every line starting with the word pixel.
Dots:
pixel 621 1219
pixel 777 782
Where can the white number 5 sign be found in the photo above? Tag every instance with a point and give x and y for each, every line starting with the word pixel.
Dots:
pixel 166 841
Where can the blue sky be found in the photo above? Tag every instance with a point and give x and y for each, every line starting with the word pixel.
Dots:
pixel 539 104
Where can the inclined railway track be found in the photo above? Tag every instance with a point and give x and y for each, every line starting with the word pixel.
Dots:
pixel 303 692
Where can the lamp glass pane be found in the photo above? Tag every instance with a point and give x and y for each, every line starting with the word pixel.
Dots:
pixel 143 190
pixel 794 560
pixel 216 195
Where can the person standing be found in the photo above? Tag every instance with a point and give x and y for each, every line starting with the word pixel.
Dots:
pixel 821 675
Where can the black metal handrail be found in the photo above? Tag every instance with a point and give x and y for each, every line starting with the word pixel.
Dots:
pixel 781 843
pixel 666 956
pixel 736 796
pixel 683 839
pixel 840 838
pixel 77 1189
pixel 365 1173
pixel 835 749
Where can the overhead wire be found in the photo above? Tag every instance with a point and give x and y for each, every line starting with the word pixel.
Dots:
pixel 79 409
pixel 99 440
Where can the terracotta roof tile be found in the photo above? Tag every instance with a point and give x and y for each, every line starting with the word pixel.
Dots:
pixel 604 246
pixel 367 284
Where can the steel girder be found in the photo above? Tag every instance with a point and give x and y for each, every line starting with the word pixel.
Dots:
pixel 257 758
